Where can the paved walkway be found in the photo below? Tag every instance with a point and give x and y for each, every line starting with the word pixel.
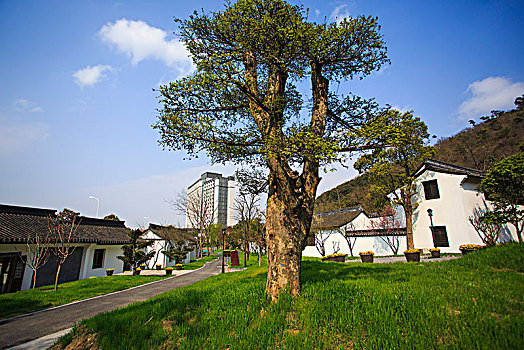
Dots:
pixel 22 329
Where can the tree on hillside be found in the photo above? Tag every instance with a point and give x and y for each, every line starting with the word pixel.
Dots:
pixel 504 186
pixel 392 168
pixel 133 253
pixel 62 228
pixel 519 103
pixel 241 105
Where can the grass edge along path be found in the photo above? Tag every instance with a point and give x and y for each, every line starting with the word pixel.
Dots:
pixel 31 300
pixel 473 302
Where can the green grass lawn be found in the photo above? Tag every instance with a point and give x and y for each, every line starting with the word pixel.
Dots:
pixel 198 264
pixel 18 303
pixel 473 302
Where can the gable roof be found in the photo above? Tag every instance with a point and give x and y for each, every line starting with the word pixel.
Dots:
pixel 441 167
pixel 172 233
pixel 335 219
pixel 18 223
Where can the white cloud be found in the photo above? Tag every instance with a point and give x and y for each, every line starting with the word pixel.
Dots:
pixel 489 94
pixel 317 12
pixel 23 105
pixel 89 76
pixel 16 136
pixel 402 109
pixel 339 13
pixel 140 41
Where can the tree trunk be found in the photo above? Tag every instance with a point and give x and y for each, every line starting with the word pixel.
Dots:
pixel 34 278
pixel 289 213
pixel 284 247
pixel 57 274
pixel 408 210
pixel 260 258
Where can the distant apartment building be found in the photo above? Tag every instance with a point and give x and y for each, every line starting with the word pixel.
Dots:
pixel 211 200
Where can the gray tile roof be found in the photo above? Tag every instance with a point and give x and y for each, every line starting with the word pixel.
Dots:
pixel 18 223
pixel 173 233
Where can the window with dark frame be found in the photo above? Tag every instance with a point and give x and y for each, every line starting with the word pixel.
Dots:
pixel 431 189
pixel 440 236
pixel 98 258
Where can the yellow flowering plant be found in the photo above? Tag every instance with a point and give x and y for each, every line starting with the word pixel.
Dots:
pixel 109 270
pixel 169 268
pixel 471 246
pixel 411 251
pixel 369 252
pixel 333 255
pixel 434 250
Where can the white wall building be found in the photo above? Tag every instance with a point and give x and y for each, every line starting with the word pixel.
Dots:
pixel 214 196
pixel 96 242
pixel 351 225
pixel 163 237
pixel 450 191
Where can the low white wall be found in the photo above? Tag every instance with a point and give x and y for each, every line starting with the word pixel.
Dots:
pixel 362 244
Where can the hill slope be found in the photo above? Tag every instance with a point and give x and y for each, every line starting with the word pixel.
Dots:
pixel 477 147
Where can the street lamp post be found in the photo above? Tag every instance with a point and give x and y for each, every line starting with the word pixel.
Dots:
pixel 245 245
pixel 430 214
pixel 223 247
pixel 97 204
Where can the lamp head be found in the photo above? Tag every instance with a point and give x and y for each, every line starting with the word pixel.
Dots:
pixel 430 212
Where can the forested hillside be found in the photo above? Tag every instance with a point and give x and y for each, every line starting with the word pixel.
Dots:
pixel 477 147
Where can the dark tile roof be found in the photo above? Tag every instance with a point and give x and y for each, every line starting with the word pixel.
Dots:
pixel 442 167
pixel 173 233
pixel 334 219
pixel 376 232
pixel 17 223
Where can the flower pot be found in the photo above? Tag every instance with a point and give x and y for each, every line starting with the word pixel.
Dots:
pixel 467 251
pixel 412 257
pixel 178 267
pixel 366 258
pixel 159 267
pixel 110 272
pixel 169 272
pixel 435 254
pixel 136 272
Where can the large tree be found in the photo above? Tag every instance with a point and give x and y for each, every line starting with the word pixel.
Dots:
pixel 392 168
pixel 242 105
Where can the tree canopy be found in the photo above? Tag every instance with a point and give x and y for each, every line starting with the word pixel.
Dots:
pixel 242 105
pixel 504 185
pixel 392 168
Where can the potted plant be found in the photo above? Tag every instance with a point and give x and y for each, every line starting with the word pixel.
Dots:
pixel 142 266
pixel 412 255
pixel 435 252
pixel 178 266
pixel 109 272
pixel 169 270
pixel 339 257
pixel 136 271
pixel 158 266
pixel 468 248
pixel 366 257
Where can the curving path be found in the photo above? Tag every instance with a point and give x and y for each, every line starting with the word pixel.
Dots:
pixel 21 329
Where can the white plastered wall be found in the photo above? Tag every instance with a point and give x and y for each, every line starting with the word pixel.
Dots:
pixel 453 209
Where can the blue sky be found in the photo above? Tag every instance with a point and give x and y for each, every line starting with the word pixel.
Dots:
pixel 76 98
